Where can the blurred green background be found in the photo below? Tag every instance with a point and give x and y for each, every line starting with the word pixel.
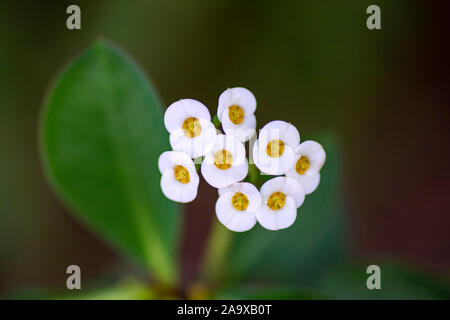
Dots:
pixel 379 98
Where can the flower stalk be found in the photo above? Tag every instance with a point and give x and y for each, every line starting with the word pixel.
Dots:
pixel 219 244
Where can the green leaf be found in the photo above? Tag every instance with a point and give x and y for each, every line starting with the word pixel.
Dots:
pixel 398 281
pixel 310 247
pixel 101 135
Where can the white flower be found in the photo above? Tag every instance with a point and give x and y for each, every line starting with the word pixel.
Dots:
pixel 281 196
pixel 179 181
pixel 236 112
pixel 236 206
pixel 309 159
pixel 273 152
pixel 226 163
pixel 191 130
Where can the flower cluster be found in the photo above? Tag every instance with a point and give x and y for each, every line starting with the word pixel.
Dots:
pixel 277 151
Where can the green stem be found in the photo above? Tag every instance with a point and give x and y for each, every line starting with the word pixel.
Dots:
pixel 197 163
pixel 253 174
pixel 215 120
pixel 219 244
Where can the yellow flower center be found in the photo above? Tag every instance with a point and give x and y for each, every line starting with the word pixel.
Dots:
pixel 223 159
pixel 236 114
pixel 192 127
pixel 239 201
pixel 275 148
pixel 302 165
pixel 181 174
pixel 276 200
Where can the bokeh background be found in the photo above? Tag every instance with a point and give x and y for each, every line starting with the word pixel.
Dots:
pixel 382 95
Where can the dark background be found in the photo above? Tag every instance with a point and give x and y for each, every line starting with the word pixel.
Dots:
pixel 383 94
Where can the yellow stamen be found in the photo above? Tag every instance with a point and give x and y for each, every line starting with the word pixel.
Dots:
pixel 275 148
pixel 181 174
pixel 302 165
pixel 192 127
pixel 239 201
pixel 276 200
pixel 236 114
pixel 223 159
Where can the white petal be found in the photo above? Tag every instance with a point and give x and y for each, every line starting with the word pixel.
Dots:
pixel 206 138
pixel 191 193
pixel 231 218
pixel 214 176
pixel 243 131
pixel 197 146
pixel 170 159
pixel 164 161
pixel 236 96
pixel 273 166
pixel 235 187
pixel 175 116
pixel 196 109
pixel 224 208
pixel 290 136
pixel 286 216
pixel 231 188
pixel 222 191
pixel 279 130
pixel 308 183
pixel 293 189
pixel 252 193
pixel 177 191
pixel 180 110
pixel 277 219
pixel 289 186
pixel 242 221
pixel 316 154
pixel 270 186
pixel 237 173
pixel 180 142
pixel 266 217
pixel 221 178
pixel 232 145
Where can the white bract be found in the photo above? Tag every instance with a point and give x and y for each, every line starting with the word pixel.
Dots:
pixel 281 196
pixel 309 159
pixel 236 206
pixel 191 130
pixel 277 151
pixel 226 163
pixel 179 181
pixel 236 112
pixel 273 152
